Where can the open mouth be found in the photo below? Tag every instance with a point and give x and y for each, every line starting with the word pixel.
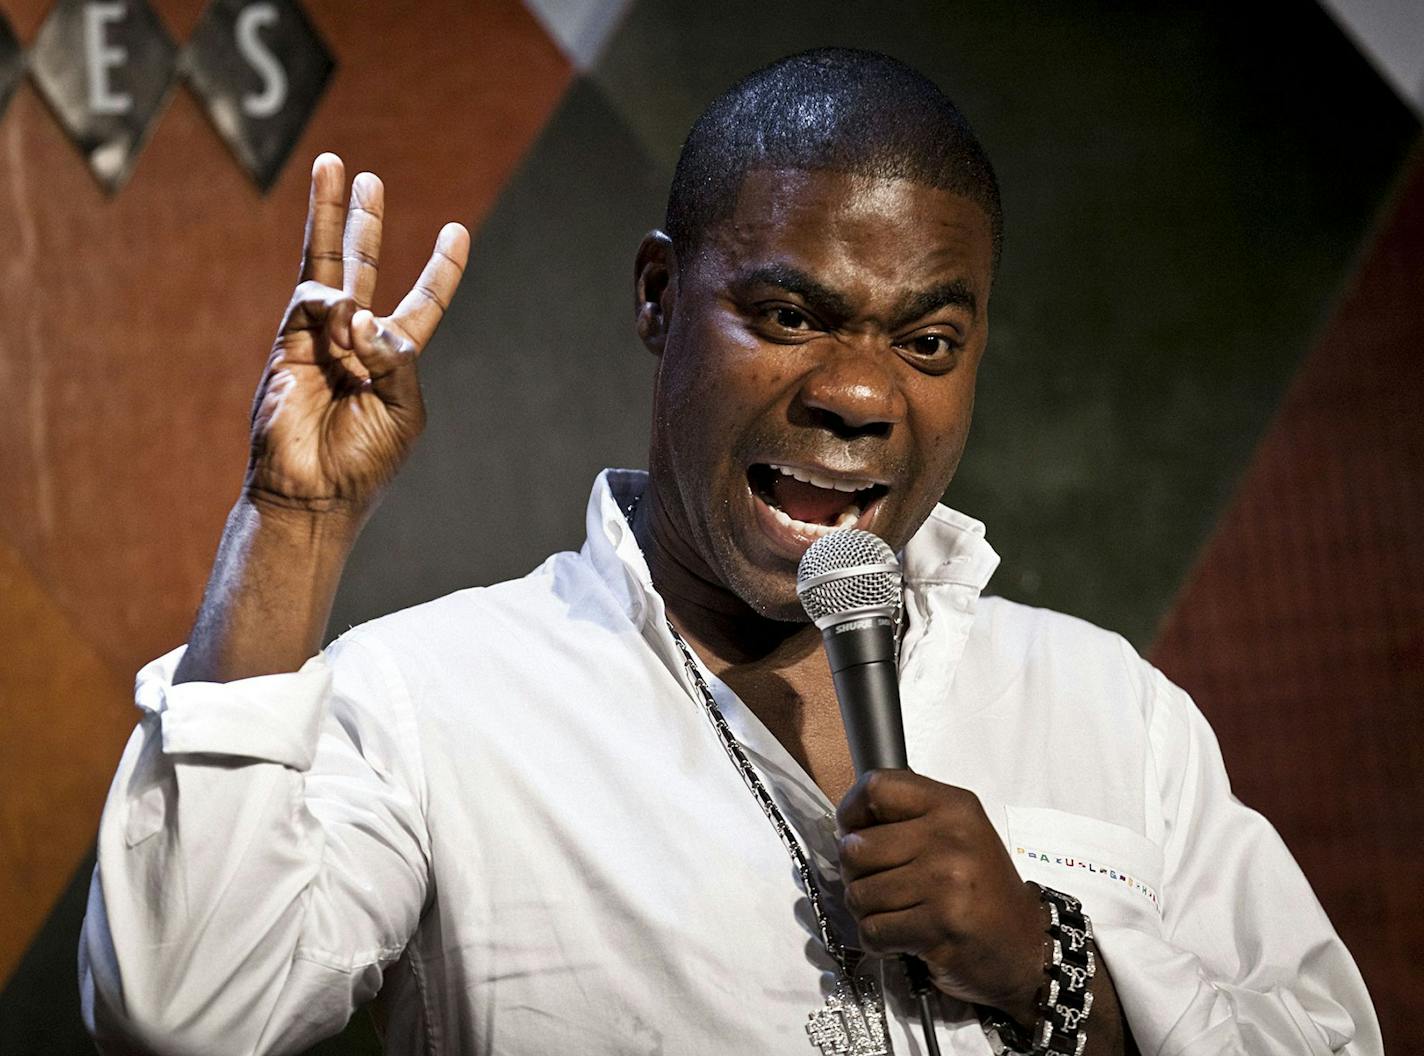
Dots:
pixel 810 503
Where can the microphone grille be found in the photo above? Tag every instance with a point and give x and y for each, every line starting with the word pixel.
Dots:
pixel 845 570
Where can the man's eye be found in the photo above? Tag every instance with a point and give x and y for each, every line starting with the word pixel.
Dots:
pixel 789 318
pixel 931 346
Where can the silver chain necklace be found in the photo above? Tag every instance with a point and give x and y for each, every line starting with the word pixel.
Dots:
pixel 852 1023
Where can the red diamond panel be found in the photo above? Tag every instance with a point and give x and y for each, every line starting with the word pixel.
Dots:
pixel 1301 633
pixel 136 326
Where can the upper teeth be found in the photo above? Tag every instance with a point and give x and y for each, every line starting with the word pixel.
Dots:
pixel 807 477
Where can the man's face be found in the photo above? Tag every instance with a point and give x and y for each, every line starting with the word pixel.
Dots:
pixel 818 370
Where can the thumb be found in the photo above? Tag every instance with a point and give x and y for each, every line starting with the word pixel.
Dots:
pixel 389 357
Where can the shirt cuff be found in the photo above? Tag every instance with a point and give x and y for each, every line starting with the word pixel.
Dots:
pixel 271 718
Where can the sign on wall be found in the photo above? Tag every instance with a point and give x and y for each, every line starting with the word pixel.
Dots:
pixel 10 63
pixel 106 68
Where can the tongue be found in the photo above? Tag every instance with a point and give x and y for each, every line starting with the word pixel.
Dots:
pixel 806 502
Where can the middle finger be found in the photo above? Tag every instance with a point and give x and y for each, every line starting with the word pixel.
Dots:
pixel 886 892
pixel 361 242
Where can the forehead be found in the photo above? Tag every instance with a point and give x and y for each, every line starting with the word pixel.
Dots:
pixel 855 229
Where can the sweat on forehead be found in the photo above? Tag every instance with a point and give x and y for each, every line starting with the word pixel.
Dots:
pixel 836 109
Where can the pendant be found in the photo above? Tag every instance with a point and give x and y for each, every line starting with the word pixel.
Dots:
pixel 853 1021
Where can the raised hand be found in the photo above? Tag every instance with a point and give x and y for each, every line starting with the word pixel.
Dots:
pixel 339 404
pixel 334 417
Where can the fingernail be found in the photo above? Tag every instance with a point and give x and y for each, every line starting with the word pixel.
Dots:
pixel 384 338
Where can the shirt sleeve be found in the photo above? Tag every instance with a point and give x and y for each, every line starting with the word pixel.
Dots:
pixel 1245 962
pixel 262 857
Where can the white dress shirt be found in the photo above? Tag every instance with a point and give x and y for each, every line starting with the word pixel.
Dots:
pixel 506 810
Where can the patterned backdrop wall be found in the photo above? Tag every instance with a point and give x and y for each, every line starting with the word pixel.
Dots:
pixel 1199 423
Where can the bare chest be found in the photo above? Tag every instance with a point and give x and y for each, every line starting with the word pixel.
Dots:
pixel 801 711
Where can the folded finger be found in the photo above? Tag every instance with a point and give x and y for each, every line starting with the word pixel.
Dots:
pixel 361 242
pixel 881 796
pixel 315 306
pixel 879 847
pixel 421 310
pixel 899 931
pixel 321 248
pixel 885 892
pixel 389 358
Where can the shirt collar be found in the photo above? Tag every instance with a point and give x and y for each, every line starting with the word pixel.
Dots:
pixel 947 556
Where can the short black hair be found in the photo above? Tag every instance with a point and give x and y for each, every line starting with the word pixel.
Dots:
pixel 839 109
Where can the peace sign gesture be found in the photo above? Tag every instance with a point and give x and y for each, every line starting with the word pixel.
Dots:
pixel 339 403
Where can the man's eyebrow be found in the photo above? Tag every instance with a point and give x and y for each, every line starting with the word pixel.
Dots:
pixel 833 306
pixel 821 299
pixel 954 294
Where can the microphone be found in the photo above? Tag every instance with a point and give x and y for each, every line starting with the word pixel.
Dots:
pixel 849 584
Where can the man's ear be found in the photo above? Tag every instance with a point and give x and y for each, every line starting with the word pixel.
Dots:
pixel 654 290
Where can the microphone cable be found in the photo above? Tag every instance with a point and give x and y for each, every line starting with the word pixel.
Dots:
pixel 920 986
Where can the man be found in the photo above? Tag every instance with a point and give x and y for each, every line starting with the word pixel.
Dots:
pixel 610 807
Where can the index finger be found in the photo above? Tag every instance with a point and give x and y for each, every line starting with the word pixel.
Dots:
pixel 421 310
pixel 321 248
pixel 882 796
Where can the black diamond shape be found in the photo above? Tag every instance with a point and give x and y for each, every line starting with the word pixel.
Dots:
pixel 11 62
pixel 105 69
pixel 259 68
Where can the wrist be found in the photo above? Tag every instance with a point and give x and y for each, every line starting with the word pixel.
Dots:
pixel 289 552
pixel 1064 998
pixel 328 524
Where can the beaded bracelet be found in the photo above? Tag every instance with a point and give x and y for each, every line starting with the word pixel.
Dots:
pixel 1066 997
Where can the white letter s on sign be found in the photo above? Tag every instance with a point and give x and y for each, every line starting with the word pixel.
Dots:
pixel 274 79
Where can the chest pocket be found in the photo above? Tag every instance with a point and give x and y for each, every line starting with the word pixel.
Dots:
pixel 1117 873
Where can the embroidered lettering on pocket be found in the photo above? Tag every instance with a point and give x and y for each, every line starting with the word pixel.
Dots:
pixel 1103 863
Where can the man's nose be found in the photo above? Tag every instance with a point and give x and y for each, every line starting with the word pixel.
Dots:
pixel 854 389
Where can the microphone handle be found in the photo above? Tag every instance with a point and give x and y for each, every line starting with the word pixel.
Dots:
pixel 870 708
pixel 861 652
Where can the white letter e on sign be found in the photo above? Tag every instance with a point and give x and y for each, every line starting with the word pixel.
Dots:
pixel 100 58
